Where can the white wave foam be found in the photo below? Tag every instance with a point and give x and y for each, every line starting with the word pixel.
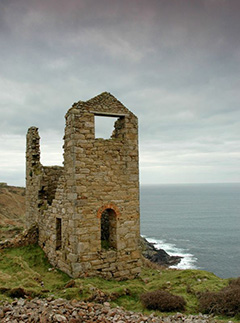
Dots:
pixel 187 262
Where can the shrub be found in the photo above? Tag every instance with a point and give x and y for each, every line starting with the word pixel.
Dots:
pixel 225 302
pixel 235 282
pixel 163 301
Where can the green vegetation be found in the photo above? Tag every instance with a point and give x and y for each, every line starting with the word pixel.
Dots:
pixel 105 244
pixel 27 268
pixel 26 271
pixel 225 302
pixel 163 301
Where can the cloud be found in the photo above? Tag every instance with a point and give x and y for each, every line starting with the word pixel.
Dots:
pixel 175 64
pixel 12 159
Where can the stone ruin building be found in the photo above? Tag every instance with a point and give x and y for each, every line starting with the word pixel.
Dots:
pixel 87 211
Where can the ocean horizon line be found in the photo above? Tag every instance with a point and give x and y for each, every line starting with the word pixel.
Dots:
pixel 212 183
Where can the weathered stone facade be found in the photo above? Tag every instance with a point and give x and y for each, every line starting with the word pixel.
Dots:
pixel 88 210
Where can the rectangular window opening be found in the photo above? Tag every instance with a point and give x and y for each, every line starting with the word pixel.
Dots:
pixel 104 126
pixel 58 233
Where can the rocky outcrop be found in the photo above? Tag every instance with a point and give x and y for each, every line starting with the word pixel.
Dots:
pixel 158 256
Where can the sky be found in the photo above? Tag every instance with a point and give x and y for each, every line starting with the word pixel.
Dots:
pixel 173 63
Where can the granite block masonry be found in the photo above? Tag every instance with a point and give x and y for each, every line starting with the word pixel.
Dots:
pixel 87 211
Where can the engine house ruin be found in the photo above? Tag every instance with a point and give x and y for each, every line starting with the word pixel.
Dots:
pixel 87 211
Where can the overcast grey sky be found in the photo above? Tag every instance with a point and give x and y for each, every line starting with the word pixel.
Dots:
pixel 174 63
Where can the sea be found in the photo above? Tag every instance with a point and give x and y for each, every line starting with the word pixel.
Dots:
pixel 200 222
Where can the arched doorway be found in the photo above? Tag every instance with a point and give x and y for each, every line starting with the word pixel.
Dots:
pixel 108 229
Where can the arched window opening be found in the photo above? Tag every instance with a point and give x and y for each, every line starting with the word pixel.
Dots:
pixel 108 229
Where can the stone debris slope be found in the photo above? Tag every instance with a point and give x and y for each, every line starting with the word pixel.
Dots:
pixel 60 310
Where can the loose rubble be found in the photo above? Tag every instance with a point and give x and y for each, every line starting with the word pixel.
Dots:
pixel 25 238
pixel 60 310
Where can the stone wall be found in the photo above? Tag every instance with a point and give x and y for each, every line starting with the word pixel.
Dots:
pixel 41 181
pixel 99 177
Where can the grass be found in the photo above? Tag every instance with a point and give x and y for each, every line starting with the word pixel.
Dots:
pixel 27 268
